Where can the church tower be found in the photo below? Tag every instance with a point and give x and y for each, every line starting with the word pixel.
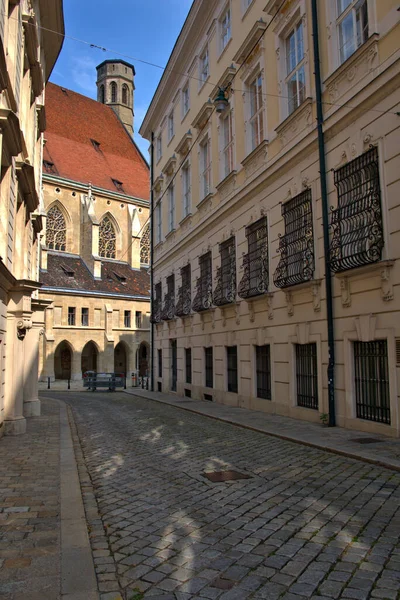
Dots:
pixel 115 87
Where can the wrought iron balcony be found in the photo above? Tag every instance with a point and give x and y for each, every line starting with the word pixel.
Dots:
pixel 256 276
pixel 225 290
pixel 357 222
pixel 168 311
pixel 156 315
pixel 204 298
pixel 184 303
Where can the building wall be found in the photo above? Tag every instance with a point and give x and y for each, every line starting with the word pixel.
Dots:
pixel 361 99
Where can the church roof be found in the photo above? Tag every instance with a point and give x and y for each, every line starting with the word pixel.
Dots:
pixel 86 142
pixel 71 273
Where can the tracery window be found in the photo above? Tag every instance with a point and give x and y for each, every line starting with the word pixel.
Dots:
pixel 124 94
pixel 113 91
pixel 107 238
pixel 56 230
pixel 145 246
pixel 102 94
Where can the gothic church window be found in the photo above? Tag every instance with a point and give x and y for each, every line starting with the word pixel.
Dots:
pixel 102 95
pixel 113 91
pixel 107 239
pixel 145 246
pixel 125 94
pixel 56 230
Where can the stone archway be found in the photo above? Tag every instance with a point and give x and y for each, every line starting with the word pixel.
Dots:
pixel 120 359
pixel 143 356
pixel 89 357
pixel 63 361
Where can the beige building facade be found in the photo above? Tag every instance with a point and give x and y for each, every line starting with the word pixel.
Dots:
pixel 240 300
pixel 28 51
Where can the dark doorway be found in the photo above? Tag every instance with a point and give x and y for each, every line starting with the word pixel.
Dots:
pixel 63 361
pixel 120 360
pixel 174 365
pixel 89 357
pixel 143 360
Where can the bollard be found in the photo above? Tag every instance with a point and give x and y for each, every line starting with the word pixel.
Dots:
pixel 69 384
pixel 48 383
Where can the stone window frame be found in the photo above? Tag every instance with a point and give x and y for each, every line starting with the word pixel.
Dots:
pixel 187 166
pixel 68 223
pixel 185 93
pixel 228 113
pixel 117 232
pixel 145 245
pixel 227 8
pixel 303 336
pixel 206 139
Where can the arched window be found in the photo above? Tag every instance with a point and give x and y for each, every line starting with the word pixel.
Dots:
pixel 107 238
pixel 56 230
pixel 101 94
pixel 113 91
pixel 125 92
pixel 145 246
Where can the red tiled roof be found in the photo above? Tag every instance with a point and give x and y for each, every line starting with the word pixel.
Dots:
pixel 73 121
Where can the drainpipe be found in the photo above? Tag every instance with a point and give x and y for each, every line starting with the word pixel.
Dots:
pixel 151 262
pixel 325 217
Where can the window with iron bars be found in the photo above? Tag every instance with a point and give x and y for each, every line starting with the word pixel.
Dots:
pixel 255 279
pixel 263 371
pixel 231 358
pixel 156 316
pixel 159 360
pixel 225 290
pixel 357 221
pixel 203 298
pixel 209 371
pixel 296 246
pixel 306 375
pixel 371 381
pixel 168 311
pixel 184 303
pixel 188 364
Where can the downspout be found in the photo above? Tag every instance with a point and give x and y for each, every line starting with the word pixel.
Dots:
pixel 151 263
pixel 325 217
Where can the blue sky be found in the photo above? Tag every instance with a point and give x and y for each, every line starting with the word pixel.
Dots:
pixel 143 29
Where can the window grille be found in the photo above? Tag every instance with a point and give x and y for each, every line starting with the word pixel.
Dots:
pixel 296 246
pixel 174 365
pixel 184 303
pixel 203 298
pixel 71 315
pixel 188 364
pixel 107 239
pixel 209 371
pixel 371 379
pixel 263 372
pixel 352 26
pixel 145 246
pixel 127 318
pixel 255 280
pixel 357 221
pixel 231 355
pixel 85 317
pixel 256 112
pixel 225 290
pixel 168 311
pixel 295 59
pixel 306 375
pixel 159 357
pixel 156 316
pixel 56 230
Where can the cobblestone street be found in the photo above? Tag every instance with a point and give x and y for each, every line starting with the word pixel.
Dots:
pixel 306 524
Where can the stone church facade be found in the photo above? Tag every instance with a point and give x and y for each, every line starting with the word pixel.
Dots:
pixel 95 242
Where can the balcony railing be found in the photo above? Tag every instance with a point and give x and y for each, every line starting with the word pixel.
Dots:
pixel 225 290
pixel 184 303
pixel 204 298
pixel 156 316
pixel 357 222
pixel 256 276
pixel 168 311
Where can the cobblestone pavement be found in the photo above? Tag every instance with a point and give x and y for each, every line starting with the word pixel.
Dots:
pixel 307 524
pixel 30 510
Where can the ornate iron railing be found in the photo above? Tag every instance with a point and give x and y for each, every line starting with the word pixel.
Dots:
pixel 296 246
pixel 357 221
pixel 184 303
pixel 204 297
pixel 255 263
pixel 225 289
pixel 168 311
pixel 156 315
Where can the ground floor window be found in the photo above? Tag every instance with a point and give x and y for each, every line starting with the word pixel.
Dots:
pixel 174 365
pixel 159 360
pixel 371 380
pixel 208 358
pixel 231 355
pixel 263 371
pixel 306 376
pixel 188 364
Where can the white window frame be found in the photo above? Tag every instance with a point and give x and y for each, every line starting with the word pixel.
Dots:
pixel 159 147
pixel 186 190
pixel 246 5
pixel 204 60
pixel 350 12
pixel 158 222
pixel 205 167
pixel 300 65
pixel 171 125
pixel 260 111
pixel 227 148
pixel 171 207
pixel 185 99
pixel 225 28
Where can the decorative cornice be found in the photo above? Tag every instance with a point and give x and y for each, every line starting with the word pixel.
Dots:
pixel 184 144
pixel 170 165
pixel 203 115
pixel 250 41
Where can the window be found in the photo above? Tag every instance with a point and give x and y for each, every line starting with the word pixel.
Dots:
pixel 113 91
pixel 357 222
pixel 138 319
pixel 168 311
pixel 56 230
pixel 95 144
pixel 246 4
pixel 49 167
pixel 127 318
pixel 159 361
pixel 188 364
pixel 145 246
pixel 208 359
pixel 256 120
pixel 171 207
pixel 295 70
pixel 225 290
pixel 185 100
pixel 186 190
pixel 226 144
pixel 352 24
pixel 171 126
pixel 101 94
pixel 71 315
pixel 174 365
pixel 204 66
pixel 125 95
pixel 158 223
pixel 263 372
pixel 203 298
pixel 205 168
pixel 118 184
pixel 159 147
pixel 85 317
pixel 107 238
pixel 157 304
pixel 231 355
pixel 184 302
pixel 225 28
pixel 296 246
pixel 371 381
pixel 306 375
pixel 255 280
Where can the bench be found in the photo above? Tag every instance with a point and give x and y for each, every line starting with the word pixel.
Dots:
pixel 104 380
